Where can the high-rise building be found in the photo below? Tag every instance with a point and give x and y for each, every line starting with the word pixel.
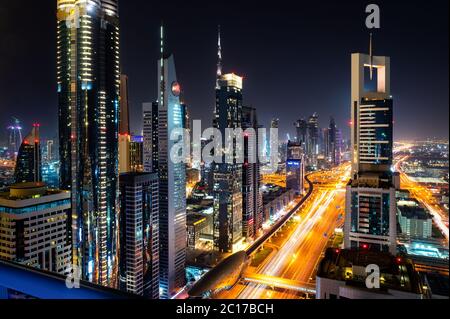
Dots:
pixel 139 234
pixel 150 133
pixel 49 150
pixel 34 227
pixel 88 84
pixel 124 127
pixel 295 167
pixel 136 153
pixel 15 137
pixel 228 176
pixel 370 221
pixel 338 148
pixel 332 143
pixel 124 123
pixel 28 162
pixel 301 132
pixel 312 139
pixel 252 208
pixel 172 180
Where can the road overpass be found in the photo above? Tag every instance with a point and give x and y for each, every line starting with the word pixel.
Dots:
pixel 281 283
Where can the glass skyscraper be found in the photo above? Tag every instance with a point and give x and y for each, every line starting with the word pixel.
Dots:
pixel 88 84
pixel 370 220
pixel 172 180
pixel 227 190
pixel 28 162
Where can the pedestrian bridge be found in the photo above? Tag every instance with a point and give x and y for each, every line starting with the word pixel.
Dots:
pixel 281 283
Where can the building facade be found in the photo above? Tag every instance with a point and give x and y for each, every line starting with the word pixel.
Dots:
pixel 252 218
pixel 172 180
pixel 139 234
pixel 34 227
pixel 88 85
pixel 370 221
pixel 227 188
pixel 28 163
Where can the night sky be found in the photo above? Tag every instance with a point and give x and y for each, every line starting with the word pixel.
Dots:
pixel 295 58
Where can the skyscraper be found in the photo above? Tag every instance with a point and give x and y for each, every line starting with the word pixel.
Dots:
pixel 332 142
pixel 28 162
pixel 227 190
pixel 124 127
pixel 150 133
pixel 301 132
pixel 88 84
pixel 172 179
pixel 295 167
pixel 312 139
pixel 139 234
pixel 370 221
pixel 252 210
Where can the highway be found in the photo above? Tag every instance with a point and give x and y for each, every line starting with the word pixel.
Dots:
pixel 425 197
pixel 300 245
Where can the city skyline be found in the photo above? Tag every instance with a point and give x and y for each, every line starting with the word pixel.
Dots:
pixel 151 186
pixel 251 48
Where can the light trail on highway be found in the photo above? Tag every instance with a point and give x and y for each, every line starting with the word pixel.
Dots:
pixel 299 254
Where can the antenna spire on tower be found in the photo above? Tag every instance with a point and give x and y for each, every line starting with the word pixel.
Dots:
pixel 219 57
pixel 371 56
pixel 162 39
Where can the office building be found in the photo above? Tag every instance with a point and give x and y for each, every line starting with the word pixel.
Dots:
pixel 136 153
pixel 88 86
pixel 172 180
pixel 370 219
pixel 28 162
pixel 252 218
pixel 139 234
pixel 301 131
pixel 124 127
pixel 312 139
pixel 150 135
pixel 415 221
pixel 228 176
pixel 342 275
pixel 34 227
pixel 295 167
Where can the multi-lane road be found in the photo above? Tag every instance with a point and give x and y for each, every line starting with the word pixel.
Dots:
pixel 296 257
pixel 425 197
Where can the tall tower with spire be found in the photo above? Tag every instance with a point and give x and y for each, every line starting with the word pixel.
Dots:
pixel 172 179
pixel 219 57
pixel 370 219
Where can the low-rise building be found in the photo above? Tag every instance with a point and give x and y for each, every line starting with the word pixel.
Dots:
pixel 275 198
pixel 34 228
pixel 343 274
pixel 415 221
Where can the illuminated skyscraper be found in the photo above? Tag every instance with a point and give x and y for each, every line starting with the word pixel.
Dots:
pixel 124 127
pixel 28 163
pixel 301 131
pixel 150 133
pixel 172 179
pixel 370 201
pixel 227 188
pixel 252 205
pixel 295 167
pixel 88 83
pixel 139 234
pixel 312 139
pixel 15 137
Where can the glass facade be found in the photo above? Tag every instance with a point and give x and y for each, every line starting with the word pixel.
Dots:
pixel 88 82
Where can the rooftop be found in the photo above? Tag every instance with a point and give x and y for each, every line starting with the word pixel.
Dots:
pixel 396 273
pixel 414 212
